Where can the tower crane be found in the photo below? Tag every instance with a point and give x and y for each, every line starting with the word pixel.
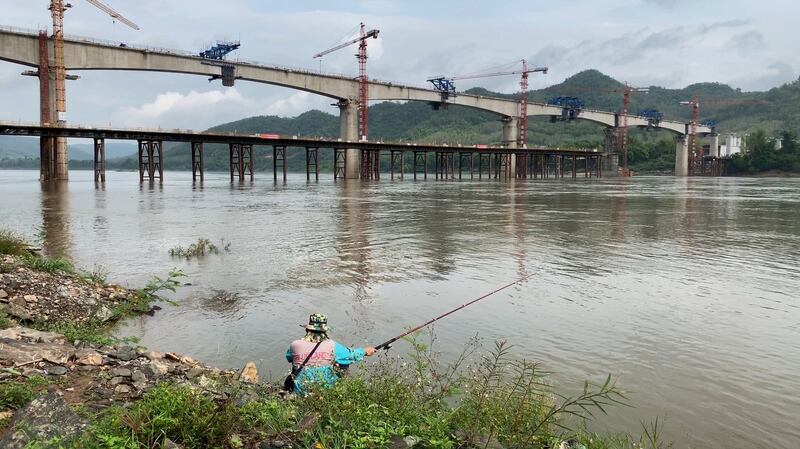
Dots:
pixel 363 81
pixel 446 85
pixel 622 131
pixel 694 155
pixel 57 9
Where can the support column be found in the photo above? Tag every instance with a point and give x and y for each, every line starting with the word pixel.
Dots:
pixel 46 144
pixel 714 145
pixel 150 160
pixel 312 163
pixel 348 131
pixel 198 165
pixel 339 163
pixel 682 156
pixel 396 162
pixel 611 154
pixel 510 136
pixel 278 162
pixel 99 160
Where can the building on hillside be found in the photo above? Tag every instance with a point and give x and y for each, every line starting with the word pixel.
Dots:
pixel 733 145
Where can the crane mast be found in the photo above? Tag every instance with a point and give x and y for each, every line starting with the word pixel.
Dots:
pixel 623 131
pixel 446 85
pixel 363 80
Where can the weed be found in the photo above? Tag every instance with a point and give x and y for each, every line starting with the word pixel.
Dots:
pixel 48 264
pixel 5 321
pixel 13 244
pixel 15 395
pixel 91 331
pixel 199 249
pixel 99 275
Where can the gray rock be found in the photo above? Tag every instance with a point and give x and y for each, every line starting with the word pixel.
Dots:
pixel 124 372
pixel 57 370
pixel 104 314
pixel 140 385
pixel 62 291
pixel 126 355
pixel 3 294
pixel 403 443
pixel 45 418
pixel 116 380
pixel 122 389
pixel 194 372
pixel 138 376
pixel 169 444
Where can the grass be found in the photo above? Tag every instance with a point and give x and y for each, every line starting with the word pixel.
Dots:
pixel 13 244
pixel 15 395
pixel 444 406
pixel 200 249
pixel 48 264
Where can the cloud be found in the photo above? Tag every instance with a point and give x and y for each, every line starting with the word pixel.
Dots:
pixel 296 104
pixel 747 42
pixel 194 109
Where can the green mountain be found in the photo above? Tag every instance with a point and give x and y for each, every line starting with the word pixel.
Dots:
pixel 735 111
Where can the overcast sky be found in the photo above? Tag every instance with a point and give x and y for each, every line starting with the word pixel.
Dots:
pixel 671 43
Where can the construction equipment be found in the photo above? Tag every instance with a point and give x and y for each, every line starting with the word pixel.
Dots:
pixel 446 85
pixel 653 116
pixel 622 128
pixel 57 9
pixel 220 50
pixel 363 86
pixel 571 107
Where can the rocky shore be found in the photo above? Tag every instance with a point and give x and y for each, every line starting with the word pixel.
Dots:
pixel 75 373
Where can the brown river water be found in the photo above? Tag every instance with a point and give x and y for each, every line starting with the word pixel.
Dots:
pixel 687 291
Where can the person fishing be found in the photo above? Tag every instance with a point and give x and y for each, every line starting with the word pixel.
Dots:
pixel 316 358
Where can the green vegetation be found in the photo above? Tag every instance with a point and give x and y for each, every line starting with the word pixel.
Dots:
pixel 764 154
pixel 14 395
pixel 460 405
pixel 48 264
pixel 13 244
pixel 199 249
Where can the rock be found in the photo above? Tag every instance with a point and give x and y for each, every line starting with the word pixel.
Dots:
pixel 155 355
pixel 138 376
pixel 194 372
pixel 19 351
pixel 45 418
pixel 160 368
pixel 62 291
pixel 140 385
pixel 397 442
pixel 91 358
pixel 57 370
pixel 249 373
pixel 116 380
pixel 104 314
pixel 3 295
pixel 16 333
pixel 30 298
pixel 188 361
pixel 122 389
pixel 126 355
pixel 172 356
pixel 169 444
pixel 17 308
pixel 5 415
pixel 122 372
pixel 277 443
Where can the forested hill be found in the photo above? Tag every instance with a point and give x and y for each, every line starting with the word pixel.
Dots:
pixel 775 110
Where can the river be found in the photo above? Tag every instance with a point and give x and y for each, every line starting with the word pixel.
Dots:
pixel 685 290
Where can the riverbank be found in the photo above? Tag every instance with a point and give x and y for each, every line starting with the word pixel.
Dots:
pixel 66 382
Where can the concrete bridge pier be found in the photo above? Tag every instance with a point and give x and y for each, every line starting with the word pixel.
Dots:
pixel 713 147
pixel 510 136
pixel 611 155
pixel 682 156
pixel 348 130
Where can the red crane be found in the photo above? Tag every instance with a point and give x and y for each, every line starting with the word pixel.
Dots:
pixel 446 85
pixel 363 81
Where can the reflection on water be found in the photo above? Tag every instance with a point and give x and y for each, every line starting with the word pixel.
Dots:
pixel 683 289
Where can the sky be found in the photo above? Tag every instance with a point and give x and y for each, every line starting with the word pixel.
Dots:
pixel 671 43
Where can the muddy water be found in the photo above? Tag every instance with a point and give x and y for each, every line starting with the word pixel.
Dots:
pixel 685 290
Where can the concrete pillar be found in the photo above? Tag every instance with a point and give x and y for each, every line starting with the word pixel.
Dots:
pixel 348 130
pixel 682 156
pixel 610 155
pixel 714 145
pixel 60 155
pixel 510 136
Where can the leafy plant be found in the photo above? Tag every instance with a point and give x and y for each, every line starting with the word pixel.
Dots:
pixel 12 243
pixel 48 264
pixel 199 249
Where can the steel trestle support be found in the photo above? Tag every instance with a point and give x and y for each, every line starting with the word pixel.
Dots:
pixel 99 160
pixel 150 160
pixel 278 161
pixel 198 165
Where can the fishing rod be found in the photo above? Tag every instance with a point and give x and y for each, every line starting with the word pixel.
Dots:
pixel 388 344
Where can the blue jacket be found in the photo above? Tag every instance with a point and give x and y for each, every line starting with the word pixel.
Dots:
pixel 325 375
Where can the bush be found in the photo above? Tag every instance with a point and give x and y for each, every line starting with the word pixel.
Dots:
pixel 48 264
pixel 12 243
pixel 199 249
